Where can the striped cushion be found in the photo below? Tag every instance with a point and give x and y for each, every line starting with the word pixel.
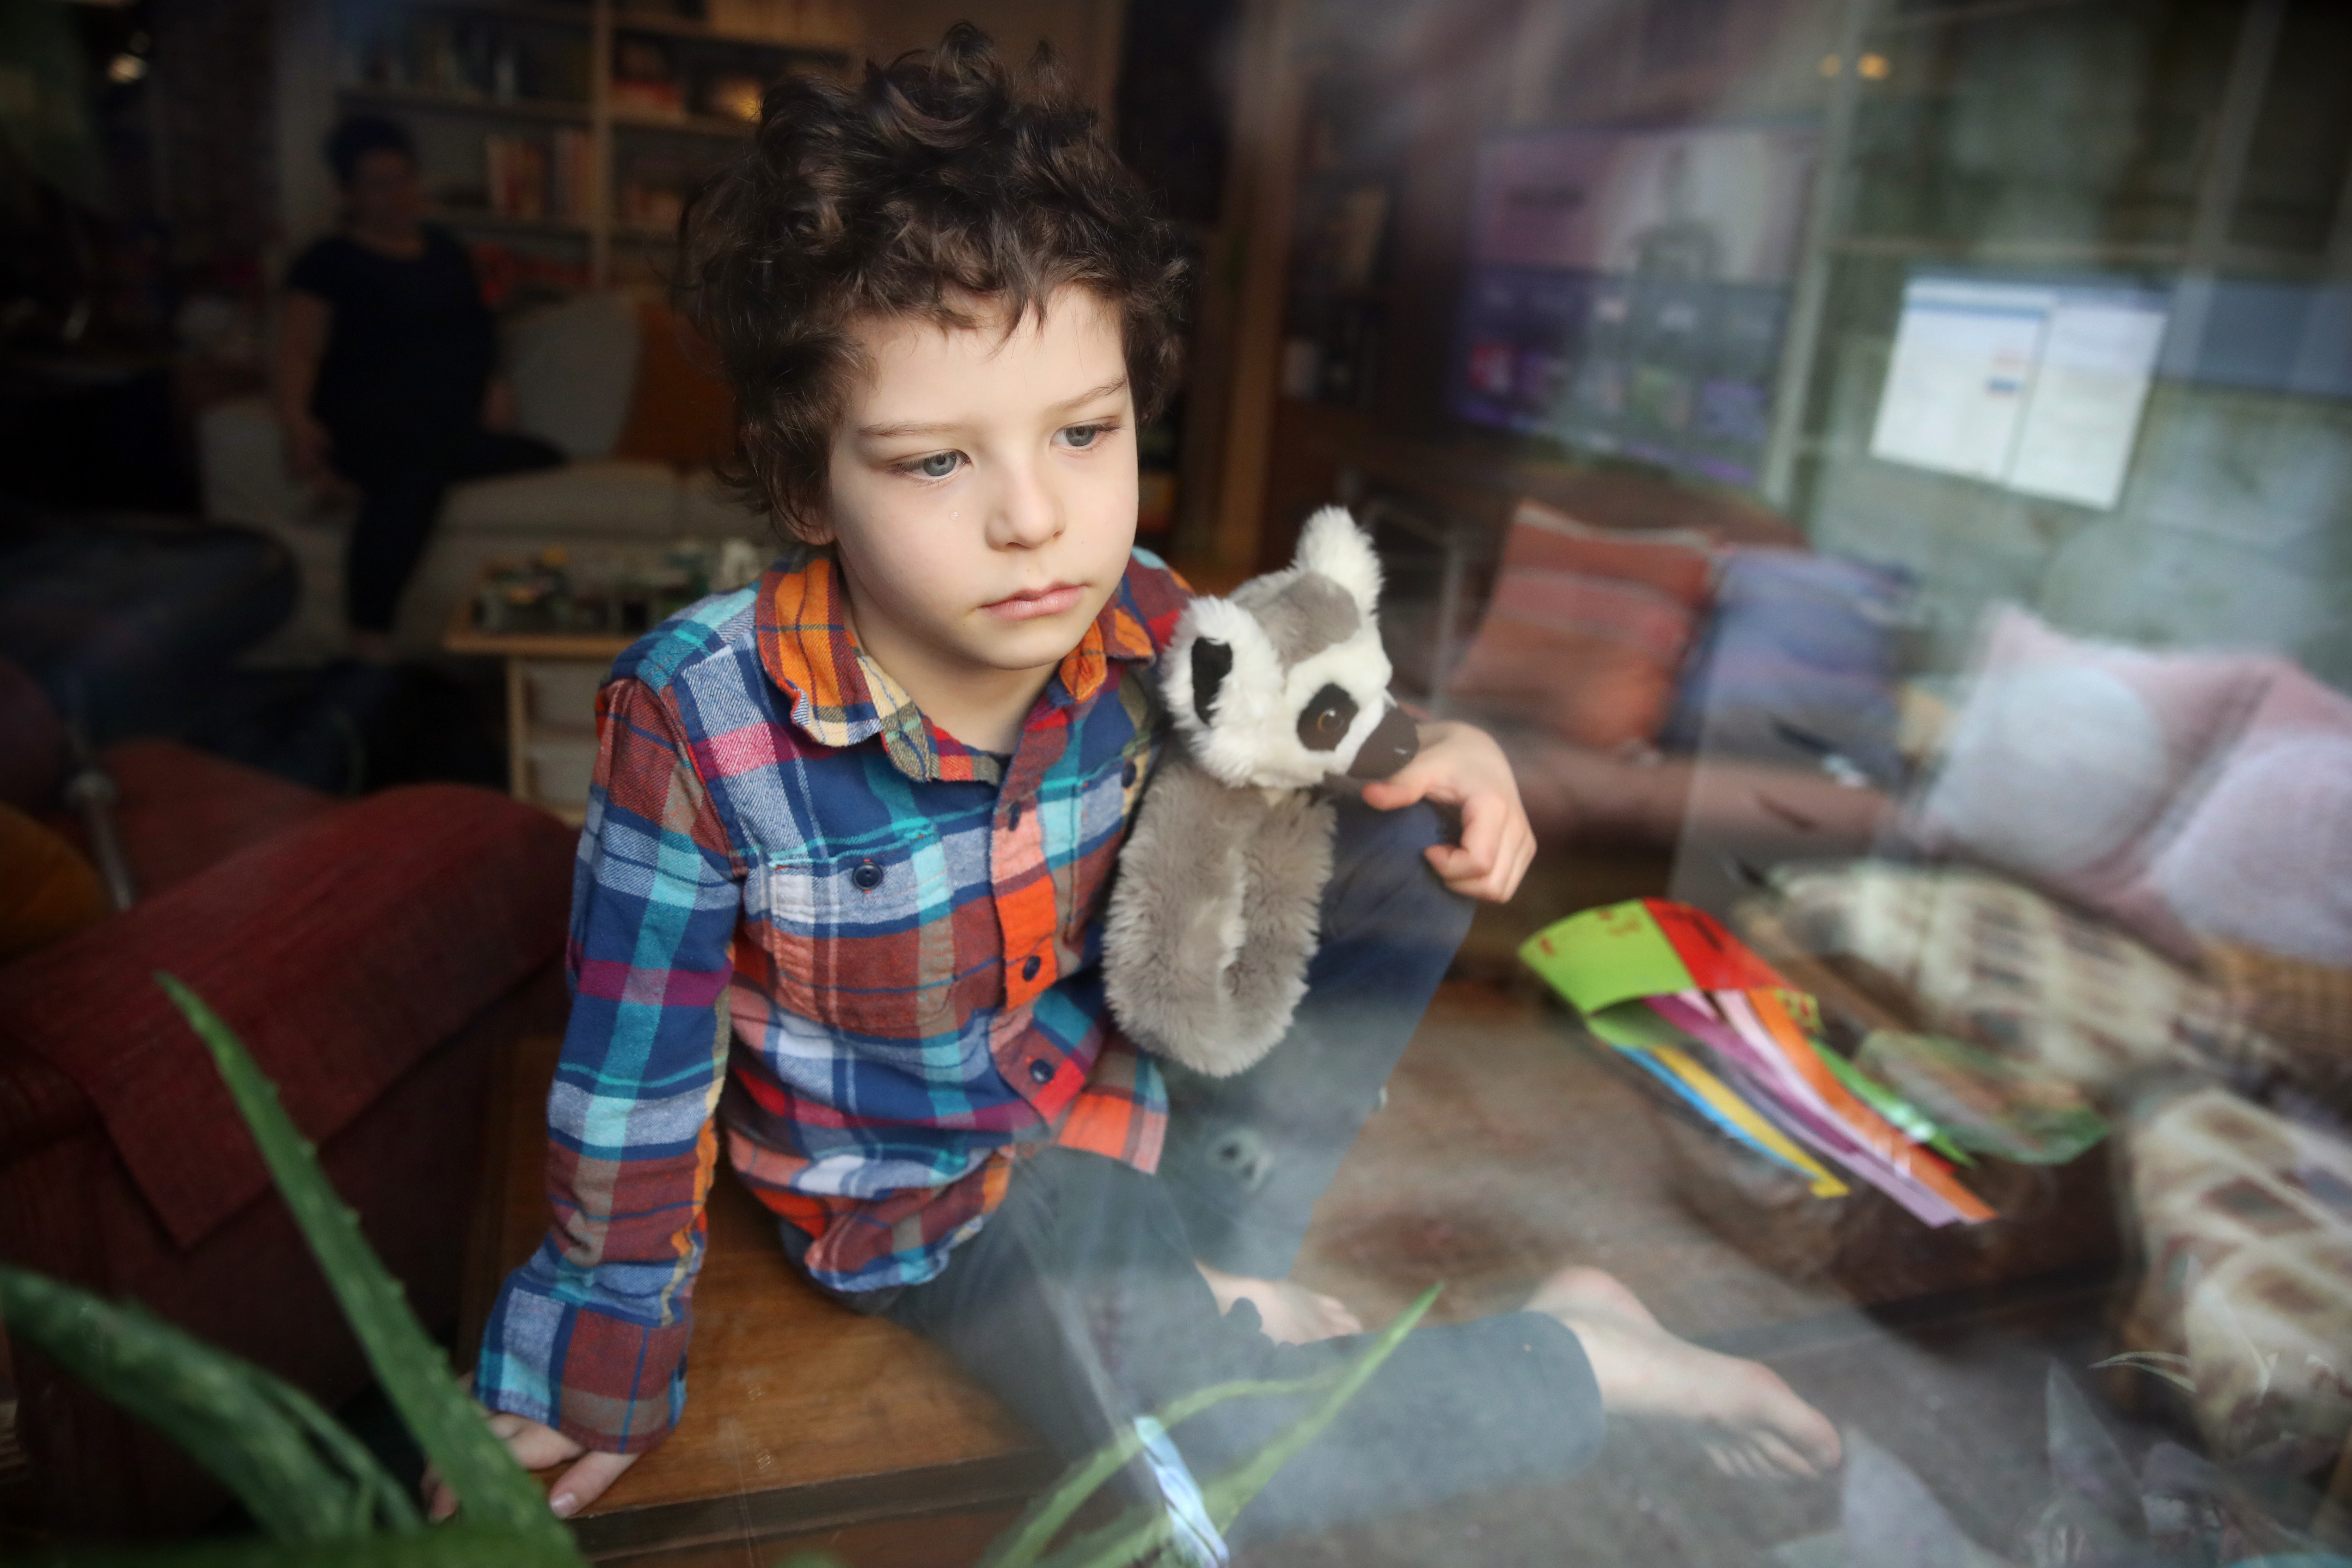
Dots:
pixel 1586 629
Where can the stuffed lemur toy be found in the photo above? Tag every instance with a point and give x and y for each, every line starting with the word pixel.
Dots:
pixel 1273 691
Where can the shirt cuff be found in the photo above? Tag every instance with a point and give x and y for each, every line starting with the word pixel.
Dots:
pixel 611 1382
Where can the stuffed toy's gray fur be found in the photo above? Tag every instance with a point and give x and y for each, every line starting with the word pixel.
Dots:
pixel 1271 692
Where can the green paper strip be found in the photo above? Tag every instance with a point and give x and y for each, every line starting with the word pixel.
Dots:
pixel 1601 957
pixel 1907 1118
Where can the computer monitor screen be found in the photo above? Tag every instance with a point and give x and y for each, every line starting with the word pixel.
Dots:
pixel 1627 289
pixel 2029 383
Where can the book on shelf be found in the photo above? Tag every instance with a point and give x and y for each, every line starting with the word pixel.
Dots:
pixel 517 170
pixel 646 78
pixel 573 192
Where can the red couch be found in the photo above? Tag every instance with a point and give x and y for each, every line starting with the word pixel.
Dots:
pixel 372 954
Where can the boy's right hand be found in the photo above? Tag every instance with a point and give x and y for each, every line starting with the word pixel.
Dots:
pixel 535 1447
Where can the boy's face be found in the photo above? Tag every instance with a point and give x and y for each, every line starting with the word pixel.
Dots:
pixel 984 491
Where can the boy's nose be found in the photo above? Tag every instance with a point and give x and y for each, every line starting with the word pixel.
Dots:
pixel 1027 513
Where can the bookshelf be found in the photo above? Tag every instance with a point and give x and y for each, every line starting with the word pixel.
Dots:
pixel 573 131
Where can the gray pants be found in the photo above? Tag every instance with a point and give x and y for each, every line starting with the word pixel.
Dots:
pixel 1078 1304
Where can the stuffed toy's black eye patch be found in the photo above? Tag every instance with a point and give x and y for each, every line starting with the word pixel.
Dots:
pixel 1211 662
pixel 1325 724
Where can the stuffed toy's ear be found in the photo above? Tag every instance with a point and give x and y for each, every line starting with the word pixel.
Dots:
pixel 1212 661
pixel 1333 545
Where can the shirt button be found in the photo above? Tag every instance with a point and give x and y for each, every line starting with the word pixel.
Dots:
pixel 1126 775
pixel 1041 1072
pixel 1029 967
pixel 867 877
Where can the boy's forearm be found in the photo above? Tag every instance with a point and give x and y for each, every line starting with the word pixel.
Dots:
pixel 590 1336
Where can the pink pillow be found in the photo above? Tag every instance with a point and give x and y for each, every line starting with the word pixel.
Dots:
pixel 2265 857
pixel 2070 759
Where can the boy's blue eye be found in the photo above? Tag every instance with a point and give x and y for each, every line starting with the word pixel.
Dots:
pixel 939 465
pixel 1082 436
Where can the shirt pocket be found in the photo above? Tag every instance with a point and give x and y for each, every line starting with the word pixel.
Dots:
pixel 862 943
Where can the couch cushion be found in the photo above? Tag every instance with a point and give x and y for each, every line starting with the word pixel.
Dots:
pixel 573 366
pixel 241 456
pixel 1797 642
pixel 1996 964
pixel 2246 1218
pixel 1585 629
pixel 681 412
pixel 2265 856
pixel 615 499
pixel 341 951
pixel 2072 760
pixel 2304 1008
pixel 709 510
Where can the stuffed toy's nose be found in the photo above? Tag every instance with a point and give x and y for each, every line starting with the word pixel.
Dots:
pixel 1393 743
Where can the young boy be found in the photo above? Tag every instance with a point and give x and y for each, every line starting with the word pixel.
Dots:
pixel 845 858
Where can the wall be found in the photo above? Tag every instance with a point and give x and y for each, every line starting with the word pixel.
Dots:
pixel 2095 140
pixel 216 141
pixel 2234 528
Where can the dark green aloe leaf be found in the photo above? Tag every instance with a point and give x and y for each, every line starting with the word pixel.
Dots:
pixel 254 1432
pixel 461 1545
pixel 492 1488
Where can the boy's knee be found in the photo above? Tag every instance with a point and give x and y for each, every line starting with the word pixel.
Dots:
pixel 1381 870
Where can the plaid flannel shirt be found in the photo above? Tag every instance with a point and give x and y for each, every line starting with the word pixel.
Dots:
pixel 890 938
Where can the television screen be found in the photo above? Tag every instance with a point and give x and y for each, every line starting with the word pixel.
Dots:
pixel 1627 289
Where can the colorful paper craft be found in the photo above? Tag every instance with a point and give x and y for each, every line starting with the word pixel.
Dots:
pixel 1651 1044
pixel 1689 1004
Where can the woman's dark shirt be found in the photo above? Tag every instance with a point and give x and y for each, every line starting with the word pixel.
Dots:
pixel 411 346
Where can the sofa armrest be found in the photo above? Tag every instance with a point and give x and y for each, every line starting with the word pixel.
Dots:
pixel 1574 793
pixel 341 951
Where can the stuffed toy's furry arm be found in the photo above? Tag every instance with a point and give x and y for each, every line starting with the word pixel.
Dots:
pixel 1213 918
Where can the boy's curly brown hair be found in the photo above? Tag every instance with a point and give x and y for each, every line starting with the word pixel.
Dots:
pixel 941 181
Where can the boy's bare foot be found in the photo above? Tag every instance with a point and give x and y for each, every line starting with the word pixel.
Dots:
pixel 1291 1313
pixel 1580 1290
pixel 1750 1423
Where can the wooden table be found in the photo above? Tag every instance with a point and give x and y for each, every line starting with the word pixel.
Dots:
pixel 805 1423
pixel 551 680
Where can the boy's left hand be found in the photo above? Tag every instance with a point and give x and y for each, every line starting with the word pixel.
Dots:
pixel 1463 767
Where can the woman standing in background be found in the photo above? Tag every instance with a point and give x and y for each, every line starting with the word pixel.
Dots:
pixel 387 372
